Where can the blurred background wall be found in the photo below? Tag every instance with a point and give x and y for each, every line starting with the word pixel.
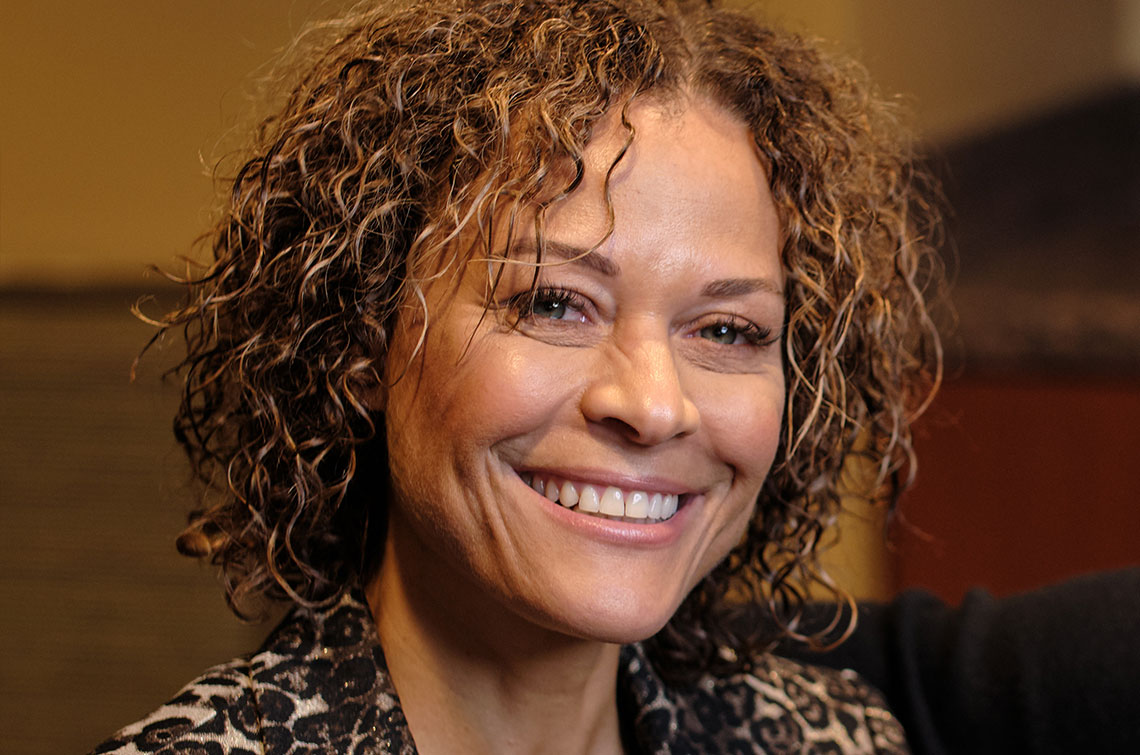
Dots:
pixel 114 112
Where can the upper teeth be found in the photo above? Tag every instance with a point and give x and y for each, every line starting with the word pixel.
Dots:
pixel 610 501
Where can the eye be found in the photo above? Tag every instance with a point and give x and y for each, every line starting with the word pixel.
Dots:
pixel 721 333
pixel 549 307
pixel 549 304
pixel 731 333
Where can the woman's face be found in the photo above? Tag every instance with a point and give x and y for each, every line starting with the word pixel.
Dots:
pixel 643 376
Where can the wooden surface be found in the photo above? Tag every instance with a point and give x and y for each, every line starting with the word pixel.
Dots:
pixel 102 619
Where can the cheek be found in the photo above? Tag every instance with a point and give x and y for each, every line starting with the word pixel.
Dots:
pixel 506 387
pixel 744 419
pixel 461 400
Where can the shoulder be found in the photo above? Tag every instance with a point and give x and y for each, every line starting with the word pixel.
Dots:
pixel 233 707
pixel 796 706
pixel 787 706
pixel 216 712
pixel 319 683
pixel 777 705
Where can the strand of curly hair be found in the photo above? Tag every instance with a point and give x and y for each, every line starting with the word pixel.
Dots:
pixel 414 125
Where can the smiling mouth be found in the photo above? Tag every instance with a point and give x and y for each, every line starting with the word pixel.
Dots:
pixel 608 502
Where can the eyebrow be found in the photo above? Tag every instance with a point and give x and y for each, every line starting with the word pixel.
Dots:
pixel 588 257
pixel 722 288
pixel 729 287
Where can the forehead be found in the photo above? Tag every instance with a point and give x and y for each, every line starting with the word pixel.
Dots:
pixel 683 175
pixel 663 166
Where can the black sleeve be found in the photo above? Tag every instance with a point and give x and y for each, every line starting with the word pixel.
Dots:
pixel 1055 670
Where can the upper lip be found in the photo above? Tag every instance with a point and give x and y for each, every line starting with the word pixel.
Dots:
pixel 646 483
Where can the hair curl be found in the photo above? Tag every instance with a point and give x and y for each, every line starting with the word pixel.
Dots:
pixel 415 124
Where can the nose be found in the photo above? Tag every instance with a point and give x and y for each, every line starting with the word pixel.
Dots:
pixel 639 392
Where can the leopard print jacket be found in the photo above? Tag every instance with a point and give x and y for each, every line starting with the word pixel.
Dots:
pixel 320 685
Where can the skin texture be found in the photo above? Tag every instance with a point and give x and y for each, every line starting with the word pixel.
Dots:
pixel 661 372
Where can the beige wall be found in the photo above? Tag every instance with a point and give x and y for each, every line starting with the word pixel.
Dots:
pixel 969 65
pixel 109 110
pixel 1127 39
pixel 113 110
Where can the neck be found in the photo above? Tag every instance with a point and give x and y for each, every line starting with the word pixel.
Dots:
pixel 474 676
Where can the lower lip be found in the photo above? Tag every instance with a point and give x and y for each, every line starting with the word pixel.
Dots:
pixel 658 534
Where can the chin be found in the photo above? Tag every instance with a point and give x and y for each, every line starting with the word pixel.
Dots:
pixel 620 616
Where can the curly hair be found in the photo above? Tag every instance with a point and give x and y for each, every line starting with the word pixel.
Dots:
pixel 412 125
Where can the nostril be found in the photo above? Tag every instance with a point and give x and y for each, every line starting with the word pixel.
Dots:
pixel 621 428
pixel 649 429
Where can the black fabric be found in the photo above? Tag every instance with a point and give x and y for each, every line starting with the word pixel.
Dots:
pixel 1055 670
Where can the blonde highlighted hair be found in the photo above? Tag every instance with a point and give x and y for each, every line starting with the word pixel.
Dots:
pixel 415 123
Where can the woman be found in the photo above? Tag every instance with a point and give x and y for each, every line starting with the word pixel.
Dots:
pixel 536 341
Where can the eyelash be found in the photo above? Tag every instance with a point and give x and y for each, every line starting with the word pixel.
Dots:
pixel 523 304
